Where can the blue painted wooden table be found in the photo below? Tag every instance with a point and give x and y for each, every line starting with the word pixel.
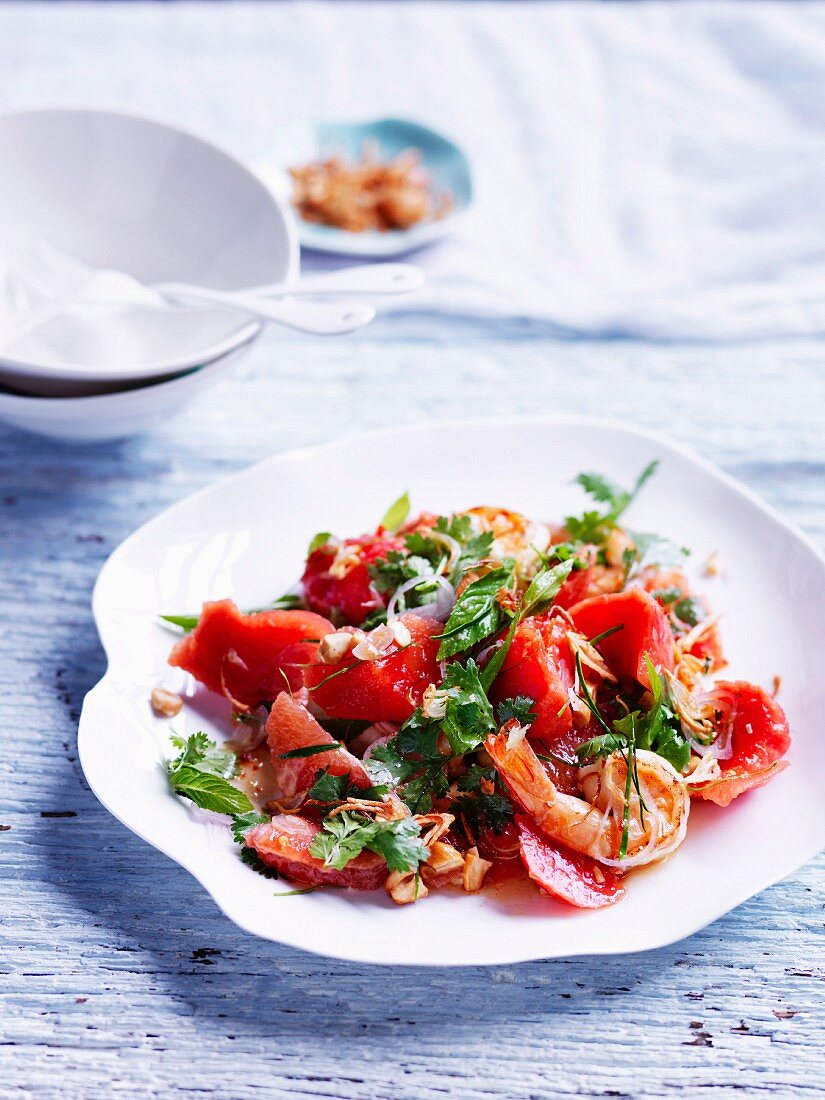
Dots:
pixel 119 976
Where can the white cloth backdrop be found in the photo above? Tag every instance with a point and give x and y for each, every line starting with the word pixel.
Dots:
pixel 642 169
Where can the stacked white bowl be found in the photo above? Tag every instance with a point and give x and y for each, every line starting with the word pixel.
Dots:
pixel 90 192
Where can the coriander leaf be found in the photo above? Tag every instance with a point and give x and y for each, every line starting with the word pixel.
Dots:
pixel 667 596
pixel 242 823
pixel 400 843
pixel 594 526
pixel 396 513
pixel 251 858
pixel 390 572
pixel 604 491
pixel 469 715
pixel 411 764
pixel 476 614
pixel 590 527
pixel 346 835
pixel 483 809
pixel 474 776
pixel 342 838
pixel 608 492
pixel 519 707
pixel 474 550
pixel 660 729
pixel 200 751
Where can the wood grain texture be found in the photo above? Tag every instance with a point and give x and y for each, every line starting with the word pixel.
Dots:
pixel 117 972
pixel 118 976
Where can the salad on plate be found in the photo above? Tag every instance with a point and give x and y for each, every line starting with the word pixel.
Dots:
pixel 455 701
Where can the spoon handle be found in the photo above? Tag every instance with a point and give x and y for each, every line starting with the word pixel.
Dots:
pixel 317 318
pixel 363 279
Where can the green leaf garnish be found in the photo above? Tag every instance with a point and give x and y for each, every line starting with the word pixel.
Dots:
pixel 411 764
pixel 396 513
pixel 540 594
pixel 469 715
pixel 519 707
pixel 594 526
pixel 185 622
pixel 252 860
pixel 242 823
pixel 288 602
pixel 479 807
pixel 201 771
pixel 347 834
pixel 477 613
pixel 310 750
pixel 328 788
pixel 319 540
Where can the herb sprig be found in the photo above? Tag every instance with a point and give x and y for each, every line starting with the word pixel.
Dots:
pixel 201 772
pixel 344 836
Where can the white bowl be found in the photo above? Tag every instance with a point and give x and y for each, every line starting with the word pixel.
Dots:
pixel 115 191
pixel 112 415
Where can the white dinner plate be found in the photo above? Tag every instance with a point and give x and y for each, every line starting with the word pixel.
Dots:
pixel 246 536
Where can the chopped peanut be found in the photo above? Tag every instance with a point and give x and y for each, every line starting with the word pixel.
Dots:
pixel 475 868
pixel 166 703
pixel 444 858
pixel 405 887
pixel 334 647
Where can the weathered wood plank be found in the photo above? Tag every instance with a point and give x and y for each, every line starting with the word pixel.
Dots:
pixel 118 974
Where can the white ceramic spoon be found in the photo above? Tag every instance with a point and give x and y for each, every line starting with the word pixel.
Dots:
pixel 363 279
pixel 318 318
pixel 104 288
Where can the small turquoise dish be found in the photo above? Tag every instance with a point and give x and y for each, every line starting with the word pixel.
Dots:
pixel 446 163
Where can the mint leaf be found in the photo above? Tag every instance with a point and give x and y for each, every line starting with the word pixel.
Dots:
pixel 185 622
pixel 328 788
pixel 396 513
pixel 542 591
pixel 200 773
pixel 319 540
pixel 476 614
pixel 209 791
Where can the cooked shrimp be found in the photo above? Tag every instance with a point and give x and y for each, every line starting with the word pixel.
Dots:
pixel 593 824
pixel 514 536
